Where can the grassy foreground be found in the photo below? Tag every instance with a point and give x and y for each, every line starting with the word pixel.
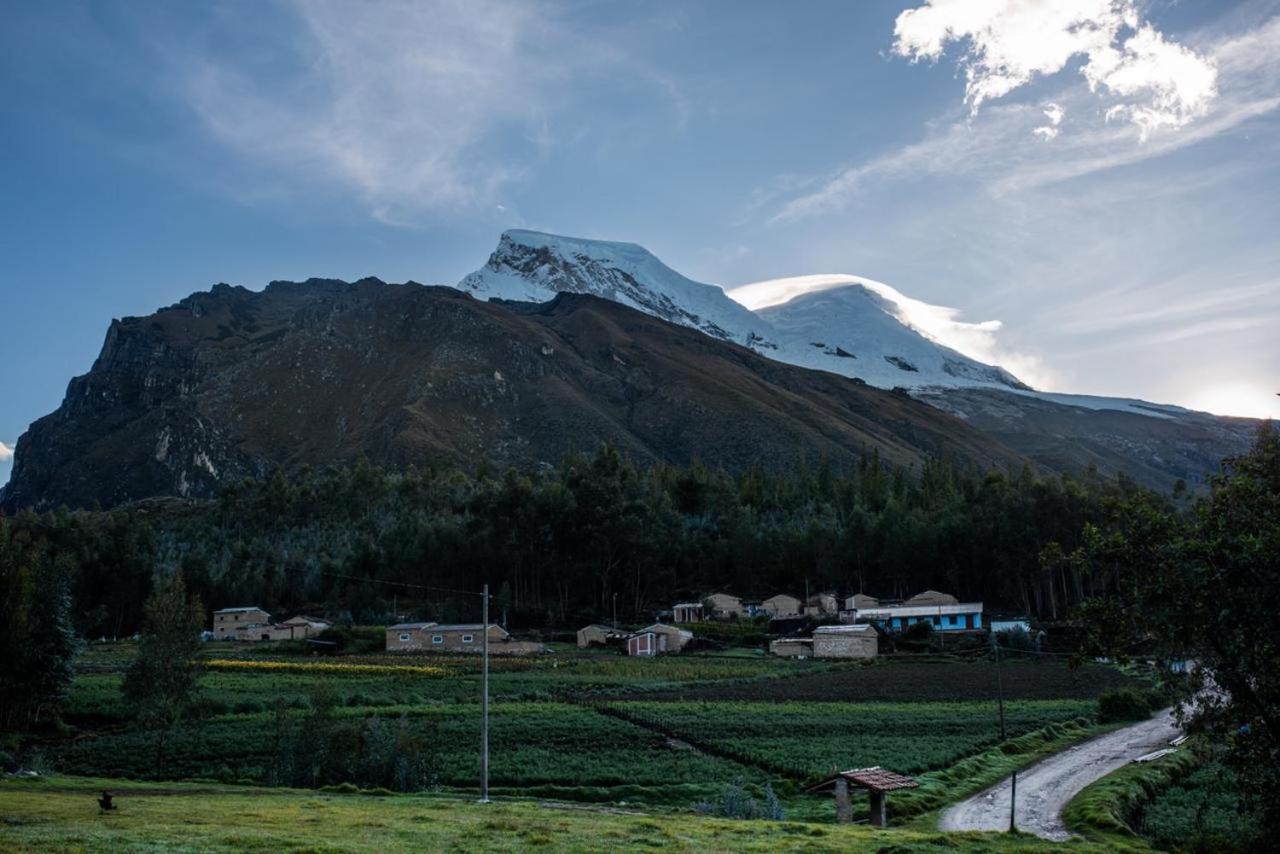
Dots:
pixel 60 814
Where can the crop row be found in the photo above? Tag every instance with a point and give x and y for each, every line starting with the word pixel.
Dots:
pixel 806 740
pixel 530 743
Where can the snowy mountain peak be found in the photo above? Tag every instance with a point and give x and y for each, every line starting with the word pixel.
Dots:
pixel 531 266
pixel 863 328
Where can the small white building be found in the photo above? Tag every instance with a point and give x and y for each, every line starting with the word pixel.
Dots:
pixel 857 641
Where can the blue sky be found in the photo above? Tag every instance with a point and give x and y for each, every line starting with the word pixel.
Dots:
pixel 1102 183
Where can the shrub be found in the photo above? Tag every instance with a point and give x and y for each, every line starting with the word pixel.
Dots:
pixel 1125 704
pixel 736 803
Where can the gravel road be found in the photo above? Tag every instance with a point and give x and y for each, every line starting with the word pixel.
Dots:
pixel 1045 788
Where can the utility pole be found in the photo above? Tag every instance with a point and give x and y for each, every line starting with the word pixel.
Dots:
pixel 1013 803
pixel 999 685
pixel 484 700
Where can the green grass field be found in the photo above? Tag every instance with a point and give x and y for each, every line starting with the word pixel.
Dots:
pixel 60 814
pixel 600 728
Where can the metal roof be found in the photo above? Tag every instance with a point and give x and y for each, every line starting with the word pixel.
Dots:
pixel 855 629
pixel 241 609
pixel 411 626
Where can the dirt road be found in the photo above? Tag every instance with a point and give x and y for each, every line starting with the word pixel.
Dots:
pixel 1045 788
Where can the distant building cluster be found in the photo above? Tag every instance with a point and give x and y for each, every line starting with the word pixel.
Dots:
pixel 251 623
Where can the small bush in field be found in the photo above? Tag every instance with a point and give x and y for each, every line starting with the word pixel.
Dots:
pixel 1124 704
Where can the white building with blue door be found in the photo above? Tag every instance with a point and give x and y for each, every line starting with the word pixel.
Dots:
pixel 943 611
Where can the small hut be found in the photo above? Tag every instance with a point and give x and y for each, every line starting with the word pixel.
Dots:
pixel 876 780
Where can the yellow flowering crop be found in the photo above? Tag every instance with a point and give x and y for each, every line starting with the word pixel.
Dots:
pixel 333 668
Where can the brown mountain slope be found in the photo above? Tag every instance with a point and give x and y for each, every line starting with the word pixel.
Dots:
pixel 232 382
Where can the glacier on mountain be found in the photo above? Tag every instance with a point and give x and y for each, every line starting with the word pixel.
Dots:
pixel 847 325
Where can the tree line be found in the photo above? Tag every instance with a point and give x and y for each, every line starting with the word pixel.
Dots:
pixel 572 542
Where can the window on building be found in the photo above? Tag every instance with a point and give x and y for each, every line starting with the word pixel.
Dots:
pixel 404 636
pixel 437 638
pixel 467 638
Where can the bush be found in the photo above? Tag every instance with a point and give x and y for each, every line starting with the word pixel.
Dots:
pixel 1125 704
pixel 736 803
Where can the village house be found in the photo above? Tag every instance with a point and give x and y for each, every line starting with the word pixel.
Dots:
pixel 245 623
pixel 858 641
pixel 942 610
pixel 781 605
pixel 722 606
pixel 419 637
pixel 298 628
pixel 822 605
pixel 597 634
pixel 686 612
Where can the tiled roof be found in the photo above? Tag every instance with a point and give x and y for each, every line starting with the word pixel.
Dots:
pixel 877 779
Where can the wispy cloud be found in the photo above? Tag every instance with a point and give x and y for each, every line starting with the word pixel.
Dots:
pixel 417 107
pixel 998 151
pixel 6 452
pixel 1009 43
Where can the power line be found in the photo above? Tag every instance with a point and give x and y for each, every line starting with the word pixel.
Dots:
pixel 405 584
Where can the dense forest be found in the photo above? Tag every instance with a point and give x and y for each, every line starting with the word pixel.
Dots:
pixel 559 544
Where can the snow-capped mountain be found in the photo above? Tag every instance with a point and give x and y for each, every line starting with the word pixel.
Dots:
pixel 864 329
pixel 529 266
pixel 849 329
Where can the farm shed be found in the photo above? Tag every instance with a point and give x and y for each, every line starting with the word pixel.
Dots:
pixel 781 605
pixel 646 644
pixel 677 638
pixel 244 623
pixel 597 634
pixel 722 606
pixel 792 647
pixel 686 612
pixel 860 641
pixel 876 780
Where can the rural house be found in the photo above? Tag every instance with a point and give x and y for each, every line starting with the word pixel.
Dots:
pixel 822 605
pixel 686 612
pixel 860 600
pixel 297 628
pixel 246 623
pixel 860 641
pixel 598 635
pixel 442 638
pixel 781 605
pixel 942 610
pixel 722 606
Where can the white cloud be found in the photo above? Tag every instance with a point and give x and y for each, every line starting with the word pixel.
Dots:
pixel 1054 114
pixel 996 149
pixel 1012 42
pixel 6 452
pixel 938 322
pixel 415 106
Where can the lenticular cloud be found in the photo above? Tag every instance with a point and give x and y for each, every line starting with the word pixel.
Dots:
pixel 1156 83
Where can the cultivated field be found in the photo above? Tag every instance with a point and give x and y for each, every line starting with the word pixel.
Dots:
pixel 661 733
